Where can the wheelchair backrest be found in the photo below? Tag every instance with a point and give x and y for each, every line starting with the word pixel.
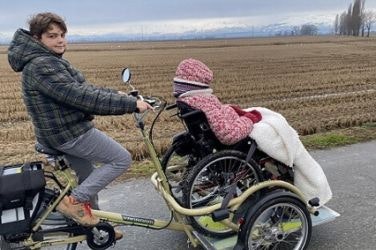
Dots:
pixel 196 123
pixel 198 127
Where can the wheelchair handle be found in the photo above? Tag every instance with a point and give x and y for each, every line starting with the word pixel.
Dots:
pixel 171 106
pixel 194 112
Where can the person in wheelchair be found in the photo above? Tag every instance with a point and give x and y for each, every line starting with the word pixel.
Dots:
pixel 231 124
pixel 62 105
pixel 191 86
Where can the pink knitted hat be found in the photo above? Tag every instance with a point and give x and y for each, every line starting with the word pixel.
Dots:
pixel 191 74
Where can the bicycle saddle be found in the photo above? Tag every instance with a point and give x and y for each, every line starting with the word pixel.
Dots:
pixel 46 150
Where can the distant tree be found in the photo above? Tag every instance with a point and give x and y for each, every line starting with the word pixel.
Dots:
pixel 348 21
pixel 351 23
pixel 355 18
pixel 342 23
pixel 308 30
pixel 336 25
pixel 295 30
pixel 362 16
pixel 369 19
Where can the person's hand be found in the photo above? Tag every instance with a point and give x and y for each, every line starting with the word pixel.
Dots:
pixel 254 115
pixel 122 93
pixel 238 110
pixel 143 106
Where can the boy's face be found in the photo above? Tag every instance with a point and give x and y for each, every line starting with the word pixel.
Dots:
pixel 54 39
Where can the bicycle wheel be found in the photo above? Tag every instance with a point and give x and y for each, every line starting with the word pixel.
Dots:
pixel 210 180
pixel 278 221
pixel 3 244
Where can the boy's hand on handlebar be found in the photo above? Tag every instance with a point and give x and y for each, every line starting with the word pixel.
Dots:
pixel 143 106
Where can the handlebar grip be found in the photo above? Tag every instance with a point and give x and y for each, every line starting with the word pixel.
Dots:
pixel 151 102
pixel 171 106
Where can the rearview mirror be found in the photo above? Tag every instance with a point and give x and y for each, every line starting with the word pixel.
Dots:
pixel 126 75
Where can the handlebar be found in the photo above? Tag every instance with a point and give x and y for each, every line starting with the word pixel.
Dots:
pixel 156 103
pixel 153 101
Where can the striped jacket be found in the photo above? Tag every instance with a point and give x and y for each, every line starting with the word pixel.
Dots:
pixel 60 102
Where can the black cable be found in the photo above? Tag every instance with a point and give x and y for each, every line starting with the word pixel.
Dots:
pixel 155 120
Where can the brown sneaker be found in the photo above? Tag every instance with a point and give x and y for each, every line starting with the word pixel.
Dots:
pixel 118 235
pixel 79 212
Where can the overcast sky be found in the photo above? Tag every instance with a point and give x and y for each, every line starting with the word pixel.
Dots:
pixel 147 16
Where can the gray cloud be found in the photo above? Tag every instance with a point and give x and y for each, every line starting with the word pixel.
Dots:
pixel 14 14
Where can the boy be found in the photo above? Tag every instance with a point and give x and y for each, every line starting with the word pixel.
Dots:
pixel 62 104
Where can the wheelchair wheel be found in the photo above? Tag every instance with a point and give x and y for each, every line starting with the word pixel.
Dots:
pixel 176 165
pixel 277 221
pixel 210 180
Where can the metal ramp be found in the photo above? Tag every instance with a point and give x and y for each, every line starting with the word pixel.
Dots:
pixel 325 215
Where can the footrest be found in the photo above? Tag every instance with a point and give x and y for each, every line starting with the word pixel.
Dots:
pixel 216 243
pixel 325 215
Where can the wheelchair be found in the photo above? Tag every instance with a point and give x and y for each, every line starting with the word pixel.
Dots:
pixel 202 171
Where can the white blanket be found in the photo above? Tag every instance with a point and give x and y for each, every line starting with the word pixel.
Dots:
pixel 280 141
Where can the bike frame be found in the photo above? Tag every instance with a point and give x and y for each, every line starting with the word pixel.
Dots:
pixel 160 183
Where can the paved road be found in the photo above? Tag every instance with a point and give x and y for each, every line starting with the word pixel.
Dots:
pixel 351 171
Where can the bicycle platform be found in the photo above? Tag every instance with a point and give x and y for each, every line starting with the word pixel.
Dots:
pixel 325 215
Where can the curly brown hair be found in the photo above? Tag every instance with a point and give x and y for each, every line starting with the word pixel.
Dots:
pixel 40 23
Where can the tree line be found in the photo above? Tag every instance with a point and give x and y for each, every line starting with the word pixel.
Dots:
pixel 304 30
pixel 355 21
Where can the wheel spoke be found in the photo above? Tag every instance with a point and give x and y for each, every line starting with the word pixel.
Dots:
pixel 281 226
pixel 210 182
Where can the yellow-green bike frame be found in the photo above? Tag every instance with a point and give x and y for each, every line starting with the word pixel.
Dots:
pixel 160 183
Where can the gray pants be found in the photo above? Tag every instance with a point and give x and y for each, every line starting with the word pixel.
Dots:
pixel 83 169
pixel 95 147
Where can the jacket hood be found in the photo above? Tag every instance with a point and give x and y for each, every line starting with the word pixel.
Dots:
pixel 25 48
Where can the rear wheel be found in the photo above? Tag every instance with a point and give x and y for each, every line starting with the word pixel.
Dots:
pixel 5 245
pixel 277 221
pixel 210 181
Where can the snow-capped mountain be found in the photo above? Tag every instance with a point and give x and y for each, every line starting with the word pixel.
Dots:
pixel 226 32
